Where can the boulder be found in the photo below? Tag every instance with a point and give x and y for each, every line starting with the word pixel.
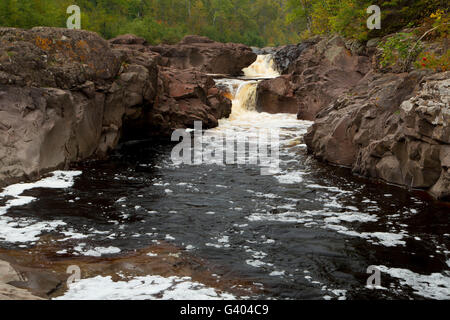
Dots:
pixel 183 97
pixel 276 96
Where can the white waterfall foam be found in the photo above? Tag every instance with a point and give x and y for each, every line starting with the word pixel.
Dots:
pixel 243 91
pixel 263 67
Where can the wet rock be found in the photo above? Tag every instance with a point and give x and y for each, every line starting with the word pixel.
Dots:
pixel 66 96
pixel 286 55
pixel 183 97
pixel 393 127
pixel 9 292
pixel 276 96
pixel 44 273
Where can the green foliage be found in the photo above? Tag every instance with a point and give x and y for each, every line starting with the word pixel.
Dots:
pixel 429 60
pixel 348 17
pixel 253 22
pixel 400 49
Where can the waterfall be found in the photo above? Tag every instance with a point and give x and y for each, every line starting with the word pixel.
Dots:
pixel 245 99
pixel 263 67
pixel 242 91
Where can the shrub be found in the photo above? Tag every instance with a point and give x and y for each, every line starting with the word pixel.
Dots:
pixel 400 49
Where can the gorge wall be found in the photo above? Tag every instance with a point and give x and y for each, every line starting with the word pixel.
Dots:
pixel 389 126
pixel 69 95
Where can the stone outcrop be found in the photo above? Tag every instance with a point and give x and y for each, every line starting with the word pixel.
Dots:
pixel 206 55
pixel 183 97
pixel 287 55
pixel 316 73
pixel 276 96
pixel 9 276
pixel 384 125
pixel 323 73
pixel 68 95
pixel 394 127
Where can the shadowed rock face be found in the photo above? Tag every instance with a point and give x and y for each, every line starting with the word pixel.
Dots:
pixel 183 97
pixel 9 276
pixel 394 127
pixel 316 73
pixel 390 126
pixel 323 73
pixel 206 55
pixel 276 96
pixel 287 55
pixel 68 95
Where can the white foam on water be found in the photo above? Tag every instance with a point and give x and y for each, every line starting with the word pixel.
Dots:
pixel 257 263
pixel 382 238
pixel 101 251
pixel 58 180
pixel 290 178
pixel 351 217
pixel 434 286
pixel 277 273
pixel 222 242
pixel 142 288
pixel 25 230
pixel 80 249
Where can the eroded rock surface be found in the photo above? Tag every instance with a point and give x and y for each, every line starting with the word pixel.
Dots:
pixel 68 95
pixel 394 127
pixel 9 275
pixel 385 125
pixel 206 55
pixel 316 73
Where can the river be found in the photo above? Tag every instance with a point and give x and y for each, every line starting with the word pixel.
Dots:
pixel 140 227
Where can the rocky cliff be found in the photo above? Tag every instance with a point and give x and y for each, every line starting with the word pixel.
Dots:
pixel 319 72
pixel 68 95
pixel 390 126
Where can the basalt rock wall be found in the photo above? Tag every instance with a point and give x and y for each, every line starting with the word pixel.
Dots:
pixel 69 95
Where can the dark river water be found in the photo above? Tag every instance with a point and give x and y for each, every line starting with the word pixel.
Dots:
pixel 308 231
